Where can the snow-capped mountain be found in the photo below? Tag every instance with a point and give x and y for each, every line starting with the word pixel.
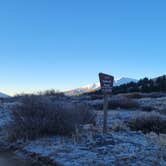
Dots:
pixel 124 80
pixel 83 89
pixel 95 86
pixel 2 95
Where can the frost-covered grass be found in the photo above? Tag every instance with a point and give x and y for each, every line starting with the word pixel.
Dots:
pixel 4 116
pixel 87 146
pixel 115 148
pixel 160 139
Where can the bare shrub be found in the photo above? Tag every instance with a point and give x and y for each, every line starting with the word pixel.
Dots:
pixel 46 93
pixel 52 92
pixel 122 102
pixel 149 122
pixel 39 116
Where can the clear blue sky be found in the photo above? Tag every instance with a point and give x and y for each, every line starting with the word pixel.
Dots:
pixel 63 44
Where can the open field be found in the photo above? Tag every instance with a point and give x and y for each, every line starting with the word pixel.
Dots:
pixel 124 144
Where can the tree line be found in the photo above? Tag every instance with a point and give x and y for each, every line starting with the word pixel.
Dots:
pixel 144 85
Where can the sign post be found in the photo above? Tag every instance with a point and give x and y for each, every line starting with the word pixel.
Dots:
pixel 106 83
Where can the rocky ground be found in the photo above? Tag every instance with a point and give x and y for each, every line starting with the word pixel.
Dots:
pixel 119 147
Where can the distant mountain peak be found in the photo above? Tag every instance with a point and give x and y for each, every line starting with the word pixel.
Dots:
pixel 96 86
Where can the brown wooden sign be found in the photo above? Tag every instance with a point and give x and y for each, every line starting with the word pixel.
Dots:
pixel 106 82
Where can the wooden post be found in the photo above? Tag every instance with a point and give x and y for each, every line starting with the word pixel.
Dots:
pixel 106 83
pixel 105 107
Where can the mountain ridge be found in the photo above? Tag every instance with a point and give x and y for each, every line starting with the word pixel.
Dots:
pixel 3 95
pixel 96 86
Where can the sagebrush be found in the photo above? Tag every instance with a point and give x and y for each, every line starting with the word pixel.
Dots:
pixel 149 122
pixel 39 116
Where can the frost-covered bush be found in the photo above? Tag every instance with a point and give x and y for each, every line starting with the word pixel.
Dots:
pixel 39 116
pixel 149 122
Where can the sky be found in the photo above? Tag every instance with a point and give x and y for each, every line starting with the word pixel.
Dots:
pixel 62 44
